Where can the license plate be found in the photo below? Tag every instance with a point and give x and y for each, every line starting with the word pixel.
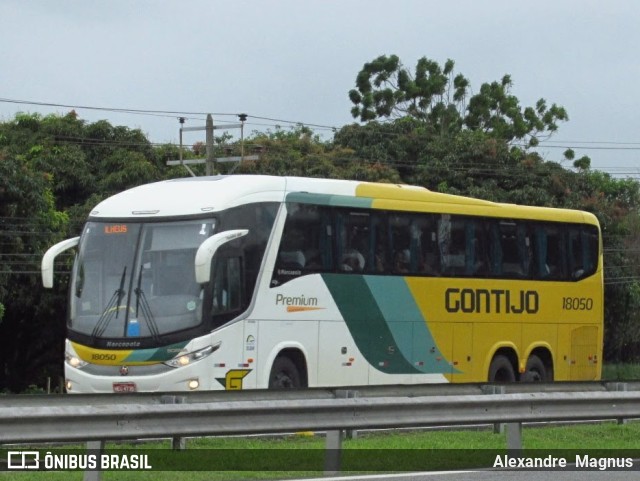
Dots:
pixel 124 387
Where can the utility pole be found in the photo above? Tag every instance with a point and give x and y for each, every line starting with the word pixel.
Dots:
pixel 182 121
pixel 243 118
pixel 209 139
pixel 211 160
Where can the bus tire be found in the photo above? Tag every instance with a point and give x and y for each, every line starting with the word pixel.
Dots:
pixel 535 370
pixel 501 370
pixel 284 374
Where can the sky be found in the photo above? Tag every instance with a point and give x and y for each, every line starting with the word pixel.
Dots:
pixel 283 61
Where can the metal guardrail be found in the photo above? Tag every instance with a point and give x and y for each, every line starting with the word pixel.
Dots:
pixel 417 390
pixel 30 419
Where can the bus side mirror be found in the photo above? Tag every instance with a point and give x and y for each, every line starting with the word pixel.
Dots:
pixel 208 249
pixel 50 256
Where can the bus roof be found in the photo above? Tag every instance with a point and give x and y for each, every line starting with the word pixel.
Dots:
pixel 201 195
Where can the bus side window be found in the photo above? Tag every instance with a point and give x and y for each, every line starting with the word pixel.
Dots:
pixel 452 245
pixel 306 243
pixel 421 256
pixel 291 259
pixel 526 251
pixel 353 241
pixel 227 285
pixel 550 252
pixel 429 260
pixel 582 244
pixel 511 252
pixel 377 254
pixel 477 262
pixel 575 253
pixel 590 249
pixel 404 239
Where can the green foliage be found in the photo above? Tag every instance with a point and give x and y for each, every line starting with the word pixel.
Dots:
pixel 496 111
pixel 298 152
pixel 50 169
pixel 29 223
pixel 436 96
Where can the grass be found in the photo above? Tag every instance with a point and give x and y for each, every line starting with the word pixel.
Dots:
pixel 366 453
pixel 621 372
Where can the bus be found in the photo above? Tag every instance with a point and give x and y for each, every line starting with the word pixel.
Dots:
pixel 248 281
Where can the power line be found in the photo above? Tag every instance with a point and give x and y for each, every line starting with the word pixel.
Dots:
pixel 164 113
pixel 589 142
pixel 296 122
pixel 485 169
pixel 111 109
pixel 581 147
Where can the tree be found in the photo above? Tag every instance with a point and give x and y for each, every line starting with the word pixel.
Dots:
pixel 384 88
pixel 440 98
pixel 29 222
pixel 53 170
pixel 298 151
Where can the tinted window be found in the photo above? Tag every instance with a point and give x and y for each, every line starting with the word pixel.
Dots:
pixel 307 243
pixel 352 241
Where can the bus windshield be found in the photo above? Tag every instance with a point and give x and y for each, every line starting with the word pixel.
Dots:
pixel 137 279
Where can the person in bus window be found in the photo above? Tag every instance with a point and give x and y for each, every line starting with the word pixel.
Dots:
pixel 401 262
pixel 352 261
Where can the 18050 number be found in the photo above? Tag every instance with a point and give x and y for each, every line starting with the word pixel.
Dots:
pixel 577 303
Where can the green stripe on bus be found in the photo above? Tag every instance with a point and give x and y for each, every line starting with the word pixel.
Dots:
pixel 408 326
pixel 330 200
pixel 159 355
pixel 367 324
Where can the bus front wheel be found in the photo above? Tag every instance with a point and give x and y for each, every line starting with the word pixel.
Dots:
pixel 501 370
pixel 284 374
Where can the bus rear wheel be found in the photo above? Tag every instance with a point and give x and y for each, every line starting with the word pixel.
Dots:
pixel 535 370
pixel 501 370
pixel 284 374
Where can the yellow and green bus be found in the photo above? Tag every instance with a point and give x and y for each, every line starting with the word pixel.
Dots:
pixel 236 282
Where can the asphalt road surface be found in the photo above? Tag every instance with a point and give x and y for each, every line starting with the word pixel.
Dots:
pixel 494 475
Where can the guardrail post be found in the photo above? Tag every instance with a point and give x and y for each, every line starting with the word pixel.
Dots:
pixel 333 441
pixel 618 387
pixel 177 443
pixel 514 438
pixel 333 451
pixel 349 433
pixel 498 428
pixel 95 447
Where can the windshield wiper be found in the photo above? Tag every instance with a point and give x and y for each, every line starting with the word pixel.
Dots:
pixel 142 302
pixel 111 310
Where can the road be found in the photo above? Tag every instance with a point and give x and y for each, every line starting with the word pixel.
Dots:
pixel 493 475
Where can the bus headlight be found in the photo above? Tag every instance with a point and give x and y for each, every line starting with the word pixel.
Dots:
pixel 191 357
pixel 74 361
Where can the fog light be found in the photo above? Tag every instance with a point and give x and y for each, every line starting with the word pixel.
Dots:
pixel 68 385
pixel 193 384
